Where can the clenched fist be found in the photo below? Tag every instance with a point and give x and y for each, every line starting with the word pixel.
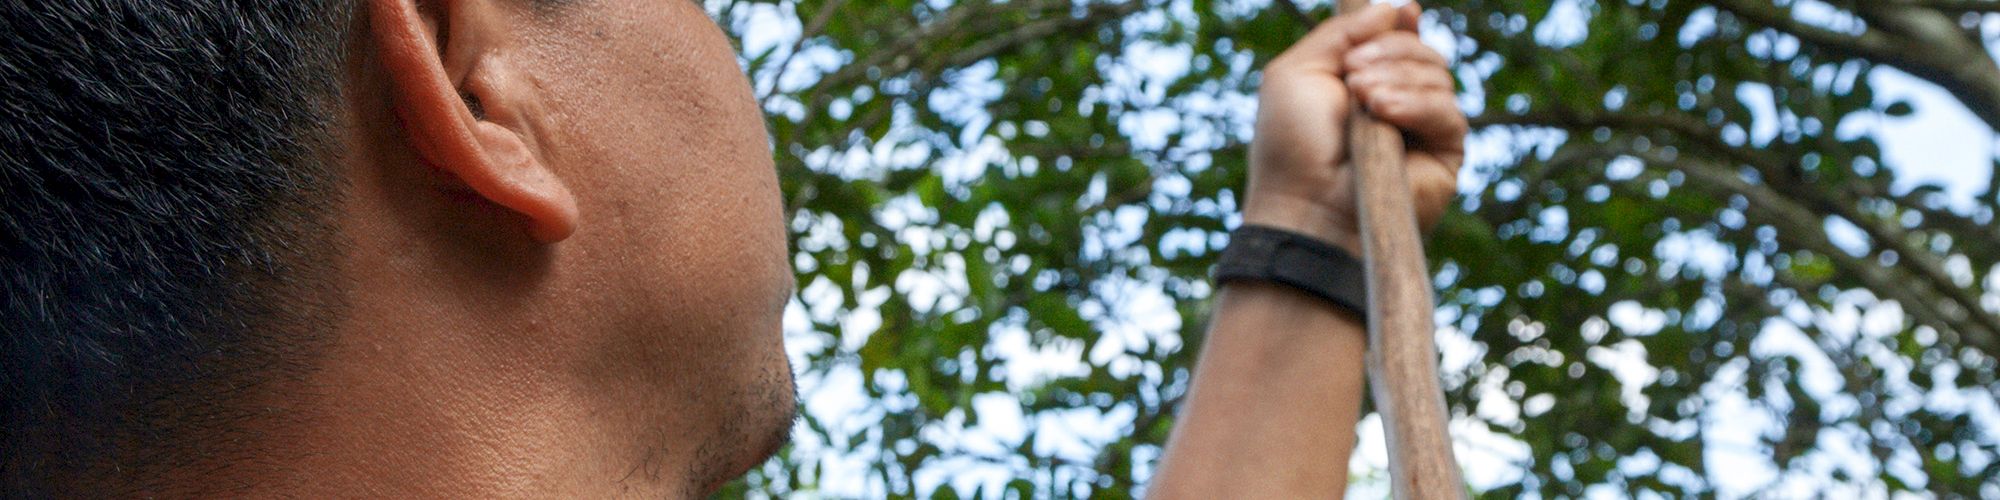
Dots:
pixel 1300 178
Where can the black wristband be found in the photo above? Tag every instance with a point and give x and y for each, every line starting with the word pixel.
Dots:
pixel 1259 253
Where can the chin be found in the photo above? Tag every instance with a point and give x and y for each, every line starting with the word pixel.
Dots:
pixel 767 413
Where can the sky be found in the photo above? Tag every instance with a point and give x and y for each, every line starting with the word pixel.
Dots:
pixel 1941 143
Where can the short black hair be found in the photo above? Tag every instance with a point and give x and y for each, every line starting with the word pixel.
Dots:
pixel 165 184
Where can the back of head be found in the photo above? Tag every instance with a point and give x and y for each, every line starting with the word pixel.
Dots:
pixel 163 189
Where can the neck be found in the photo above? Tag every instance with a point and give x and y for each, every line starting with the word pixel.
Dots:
pixel 452 374
pixel 444 408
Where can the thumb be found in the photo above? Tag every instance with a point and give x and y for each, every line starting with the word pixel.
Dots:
pixel 1329 41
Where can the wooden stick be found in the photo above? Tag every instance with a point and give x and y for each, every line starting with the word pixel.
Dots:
pixel 1402 355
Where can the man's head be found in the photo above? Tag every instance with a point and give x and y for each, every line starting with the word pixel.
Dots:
pixel 537 241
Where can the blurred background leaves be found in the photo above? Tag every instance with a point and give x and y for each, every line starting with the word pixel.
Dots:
pixel 1681 254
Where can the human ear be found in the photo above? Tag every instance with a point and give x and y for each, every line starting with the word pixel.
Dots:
pixel 435 88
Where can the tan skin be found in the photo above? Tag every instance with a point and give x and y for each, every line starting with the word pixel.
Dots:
pixel 533 309
pixel 577 291
pixel 1278 387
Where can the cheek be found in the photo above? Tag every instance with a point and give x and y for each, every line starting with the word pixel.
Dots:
pixel 680 260
pixel 671 146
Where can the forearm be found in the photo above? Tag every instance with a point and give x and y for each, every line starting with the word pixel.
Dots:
pixel 1277 389
pixel 1274 400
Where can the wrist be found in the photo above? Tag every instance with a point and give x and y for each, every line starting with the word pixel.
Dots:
pixel 1304 217
pixel 1262 253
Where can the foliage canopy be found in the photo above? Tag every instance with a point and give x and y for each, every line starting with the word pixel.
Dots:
pixel 1676 228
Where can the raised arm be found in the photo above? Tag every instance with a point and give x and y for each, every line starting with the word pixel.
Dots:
pixel 1278 386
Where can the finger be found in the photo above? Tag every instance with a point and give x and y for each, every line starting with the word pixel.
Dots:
pixel 1408 16
pixel 1326 43
pixel 1430 117
pixel 1390 48
pixel 1433 184
pixel 1400 75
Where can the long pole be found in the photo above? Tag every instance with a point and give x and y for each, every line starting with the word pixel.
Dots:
pixel 1402 354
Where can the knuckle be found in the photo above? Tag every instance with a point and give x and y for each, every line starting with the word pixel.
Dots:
pixel 1457 123
pixel 1340 42
pixel 1442 80
pixel 1433 55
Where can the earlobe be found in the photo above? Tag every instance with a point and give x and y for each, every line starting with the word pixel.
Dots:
pixel 492 159
pixel 515 179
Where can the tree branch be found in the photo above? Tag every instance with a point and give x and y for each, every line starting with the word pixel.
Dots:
pixel 1954 6
pixel 1800 226
pixel 1918 41
pixel 1969 316
pixel 812 29
pixel 1292 9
